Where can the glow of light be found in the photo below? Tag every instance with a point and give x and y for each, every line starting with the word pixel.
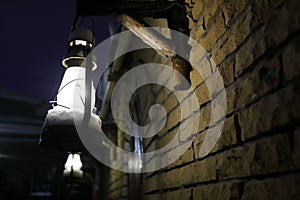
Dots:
pixel 79 42
pixel 71 93
pixel 69 163
pixel 73 163
pixel 77 164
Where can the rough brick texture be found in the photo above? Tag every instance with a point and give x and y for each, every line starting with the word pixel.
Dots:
pixel 255 45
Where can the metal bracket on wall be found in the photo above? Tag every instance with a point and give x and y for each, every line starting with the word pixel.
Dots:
pixel 173 11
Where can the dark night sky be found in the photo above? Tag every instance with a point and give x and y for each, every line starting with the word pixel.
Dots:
pixel 33 38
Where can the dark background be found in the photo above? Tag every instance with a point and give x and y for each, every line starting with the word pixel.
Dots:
pixel 33 38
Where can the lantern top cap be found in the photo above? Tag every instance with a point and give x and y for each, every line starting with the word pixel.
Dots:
pixel 82 34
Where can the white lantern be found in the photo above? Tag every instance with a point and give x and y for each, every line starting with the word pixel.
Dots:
pixel 59 131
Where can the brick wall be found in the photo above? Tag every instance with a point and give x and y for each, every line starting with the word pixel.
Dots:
pixel 255 45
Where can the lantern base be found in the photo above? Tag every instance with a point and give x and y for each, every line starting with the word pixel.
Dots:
pixel 61 137
pixel 60 132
